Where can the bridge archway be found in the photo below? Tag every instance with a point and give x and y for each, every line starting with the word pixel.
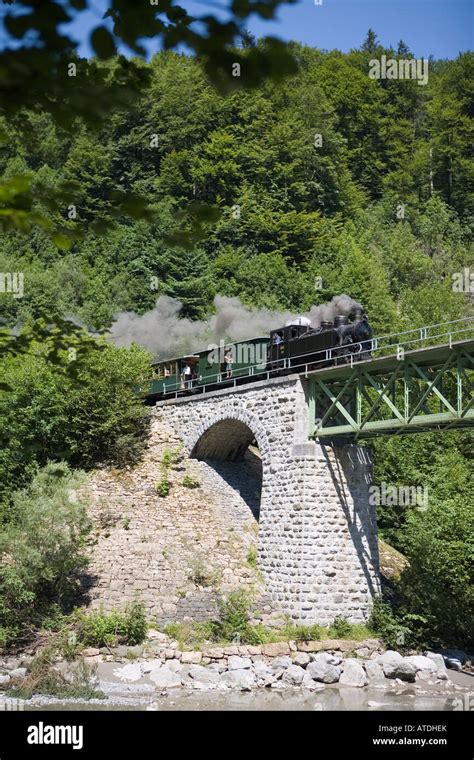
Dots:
pixel 233 451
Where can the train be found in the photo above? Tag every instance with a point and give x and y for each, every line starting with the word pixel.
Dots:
pixel 296 347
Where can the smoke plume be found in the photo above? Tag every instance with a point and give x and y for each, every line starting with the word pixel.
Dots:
pixel 163 332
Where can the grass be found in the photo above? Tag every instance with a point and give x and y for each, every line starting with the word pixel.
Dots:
pixel 234 622
pixel 189 482
pixel 44 678
pixel 252 557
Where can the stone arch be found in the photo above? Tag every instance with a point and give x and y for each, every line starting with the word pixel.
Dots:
pixel 223 442
pixel 227 434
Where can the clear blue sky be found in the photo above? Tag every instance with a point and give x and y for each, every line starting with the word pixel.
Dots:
pixel 442 28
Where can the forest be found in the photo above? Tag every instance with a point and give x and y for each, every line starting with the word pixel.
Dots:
pixel 328 182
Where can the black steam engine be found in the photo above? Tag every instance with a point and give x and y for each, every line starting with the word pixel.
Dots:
pixel 343 341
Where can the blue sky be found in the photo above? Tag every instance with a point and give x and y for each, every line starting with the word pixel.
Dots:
pixel 442 28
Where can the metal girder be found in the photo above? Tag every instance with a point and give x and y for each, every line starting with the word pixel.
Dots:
pixel 425 391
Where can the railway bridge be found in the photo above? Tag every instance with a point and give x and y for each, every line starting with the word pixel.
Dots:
pixel 318 547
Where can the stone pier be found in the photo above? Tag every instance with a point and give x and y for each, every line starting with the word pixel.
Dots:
pixel 317 543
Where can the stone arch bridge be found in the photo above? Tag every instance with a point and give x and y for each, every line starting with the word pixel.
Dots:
pixel 317 544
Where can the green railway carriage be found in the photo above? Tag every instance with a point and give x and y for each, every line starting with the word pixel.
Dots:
pixel 217 365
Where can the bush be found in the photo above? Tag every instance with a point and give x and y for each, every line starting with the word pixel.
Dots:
pixel 101 629
pixel 163 487
pixel 42 551
pixel 44 678
pixel 189 482
pixel 49 417
pixel 341 627
pixel 393 632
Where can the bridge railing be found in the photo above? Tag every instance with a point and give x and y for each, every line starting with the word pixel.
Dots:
pixel 393 344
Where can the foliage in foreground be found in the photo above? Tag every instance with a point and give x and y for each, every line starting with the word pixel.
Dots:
pixel 43 677
pixel 46 416
pixel 42 551
pixel 101 629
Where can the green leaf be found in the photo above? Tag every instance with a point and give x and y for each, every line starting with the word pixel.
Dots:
pixel 103 42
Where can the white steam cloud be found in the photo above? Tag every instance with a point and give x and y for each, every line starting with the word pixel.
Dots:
pixel 163 332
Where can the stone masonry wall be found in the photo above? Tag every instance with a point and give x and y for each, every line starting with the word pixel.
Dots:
pixel 317 535
pixel 179 552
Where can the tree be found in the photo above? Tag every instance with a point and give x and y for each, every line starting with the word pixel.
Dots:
pixel 370 43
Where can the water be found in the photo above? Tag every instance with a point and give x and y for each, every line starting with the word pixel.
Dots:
pixel 329 698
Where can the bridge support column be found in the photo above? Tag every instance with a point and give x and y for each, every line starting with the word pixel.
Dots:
pixel 318 533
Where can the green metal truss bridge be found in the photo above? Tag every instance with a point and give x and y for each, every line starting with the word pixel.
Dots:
pixel 416 381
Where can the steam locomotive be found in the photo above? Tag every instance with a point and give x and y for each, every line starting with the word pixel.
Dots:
pixel 296 347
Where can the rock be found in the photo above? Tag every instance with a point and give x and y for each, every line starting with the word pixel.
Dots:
pixel 309 683
pixel 423 675
pixel 261 668
pixel 396 666
pixel 372 644
pixel 281 663
pixel 157 635
pixel 453 664
pixel 254 650
pixel 175 666
pixel 231 650
pixel 165 678
pixel 353 674
pixel 4 679
pixel 421 663
pixel 238 679
pixel 441 675
pixel 323 671
pixel 301 659
pixel 203 675
pixel 18 673
pixel 276 649
pixel 309 646
pixel 362 652
pixel 191 658
pixel 216 653
pixel 374 670
pixel 294 675
pixel 120 651
pixel 149 665
pixel 238 663
pixel 90 652
pixel 331 659
pixel 438 659
pixel 455 654
pixel 130 672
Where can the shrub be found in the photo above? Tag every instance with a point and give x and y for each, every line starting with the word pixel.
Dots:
pixel 42 551
pixel 394 633
pixel 101 629
pixel 189 482
pixel 163 487
pixel 252 556
pixel 340 627
pixel 96 418
pixel 201 576
pixel 44 678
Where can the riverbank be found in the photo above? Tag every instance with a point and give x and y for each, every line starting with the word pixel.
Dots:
pixel 331 674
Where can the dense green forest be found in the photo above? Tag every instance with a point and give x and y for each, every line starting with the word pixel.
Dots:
pixel 327 183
